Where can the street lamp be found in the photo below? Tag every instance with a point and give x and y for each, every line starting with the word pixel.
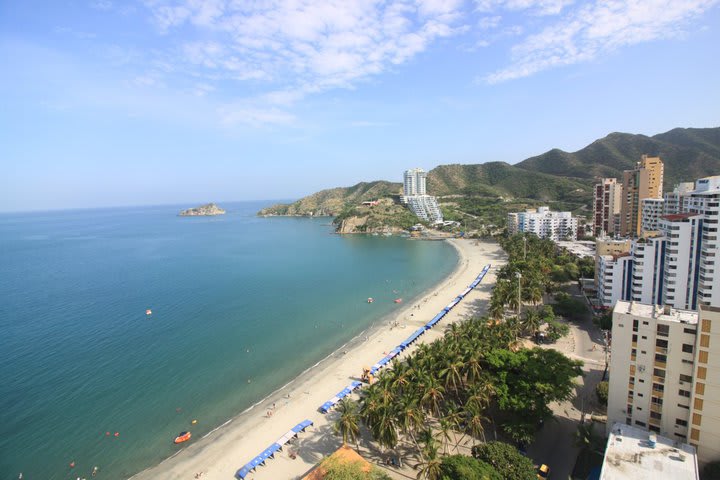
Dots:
pixel 518 275
pixel 524 248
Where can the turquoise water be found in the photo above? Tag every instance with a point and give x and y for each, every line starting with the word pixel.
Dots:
pixel 241 305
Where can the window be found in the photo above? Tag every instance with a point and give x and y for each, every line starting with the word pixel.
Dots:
pixel 657 401
pixel 639 423
pixel 687 348
pixel 703 356
pixel 697 419
pixel 681 436
pixel 644 337
pixel 640 395
pixel 701 373
pixel 659 373
pixel 700 388
pixel 686 407
pixel 661 343
pixel 685 378
pixel 634 338
pixel 659 357
pixel 658 387
pixel 654 428
pixel 643 352
pixel 645 323
pixel 635 325
pixel 689 330
pixel 705 341
pixel 684 393
pixel 698 404
pixel 629 409
pixel 655 415
pixel 705 326
pixel 680 422
pixel 663 330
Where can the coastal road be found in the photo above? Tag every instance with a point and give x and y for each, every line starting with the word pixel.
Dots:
pixel 555 443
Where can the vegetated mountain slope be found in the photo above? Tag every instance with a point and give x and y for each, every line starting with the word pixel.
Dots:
pixel 688 154
pixel 502 179
pixel 332 201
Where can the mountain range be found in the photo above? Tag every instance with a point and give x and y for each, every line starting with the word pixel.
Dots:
pixel 688 154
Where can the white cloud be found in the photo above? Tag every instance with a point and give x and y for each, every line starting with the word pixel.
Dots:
pixel 305 45
pixel 596 29
pixel 538 7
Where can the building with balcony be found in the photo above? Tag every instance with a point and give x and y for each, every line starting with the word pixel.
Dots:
pixel 677 200
pixel 544 223
pixel 645 181
pixel 415 196
pixel 652 212
pixel 607 198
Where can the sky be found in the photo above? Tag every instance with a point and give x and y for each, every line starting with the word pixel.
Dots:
pixel 147 102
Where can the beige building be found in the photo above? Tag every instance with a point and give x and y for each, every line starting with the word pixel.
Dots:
pixel 607 198
pixel 705 401
pixel 665 373
pixel 645 181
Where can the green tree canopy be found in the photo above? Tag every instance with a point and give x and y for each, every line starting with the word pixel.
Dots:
pixel 456 467
pixel 506 460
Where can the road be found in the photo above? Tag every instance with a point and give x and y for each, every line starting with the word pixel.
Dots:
pixel 554 444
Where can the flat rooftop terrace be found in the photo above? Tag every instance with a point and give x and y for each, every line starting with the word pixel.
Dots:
pixel 631 455
pixel 657 311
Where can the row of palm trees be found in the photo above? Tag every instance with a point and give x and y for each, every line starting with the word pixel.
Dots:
pixel 446 389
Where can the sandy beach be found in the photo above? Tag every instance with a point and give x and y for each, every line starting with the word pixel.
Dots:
pixel 222 452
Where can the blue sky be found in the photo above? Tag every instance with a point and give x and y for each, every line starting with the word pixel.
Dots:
pixel 109 103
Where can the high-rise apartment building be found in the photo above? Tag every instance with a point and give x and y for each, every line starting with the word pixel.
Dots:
pixel 705 201
pixel 415 195
pixel 651 368
pixel 544 223
pixel 651 212
pixel 683 236
pixel 613 278
pixel 607 198
pixel 677 200
pixel 414 182
pixel 704 416
pixel 645 181
pixel 648 271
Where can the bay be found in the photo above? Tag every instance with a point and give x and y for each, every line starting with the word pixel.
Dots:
pixel 240 306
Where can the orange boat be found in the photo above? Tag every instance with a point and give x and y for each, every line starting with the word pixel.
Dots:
pixel 183 437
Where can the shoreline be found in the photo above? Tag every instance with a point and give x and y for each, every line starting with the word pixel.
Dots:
pixel 223 450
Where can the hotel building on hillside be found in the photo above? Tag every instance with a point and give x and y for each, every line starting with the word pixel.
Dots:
pixel 544 223
pixel 415 196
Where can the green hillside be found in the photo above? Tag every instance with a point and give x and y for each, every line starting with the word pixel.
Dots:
pixel 688 154
pixel 495 179
pixel 334 200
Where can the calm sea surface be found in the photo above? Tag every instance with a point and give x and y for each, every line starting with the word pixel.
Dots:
pixel 240 306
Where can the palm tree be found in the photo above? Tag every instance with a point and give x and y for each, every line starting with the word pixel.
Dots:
pixel 432 395
pixel 348 423
pixel 430 467
pixel 531 321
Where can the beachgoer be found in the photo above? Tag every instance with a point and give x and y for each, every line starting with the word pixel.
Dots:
pixel 273 406
pixel 94 471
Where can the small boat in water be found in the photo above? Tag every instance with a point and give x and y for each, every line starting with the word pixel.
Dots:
pixel 148 312
pixel 398 300
pixel 183 437
pixel 370 300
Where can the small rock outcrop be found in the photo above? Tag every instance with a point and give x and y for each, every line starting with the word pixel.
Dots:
pixel 203 210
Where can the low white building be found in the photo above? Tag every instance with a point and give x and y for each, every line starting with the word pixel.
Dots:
pixel 634 454
pixel 544 223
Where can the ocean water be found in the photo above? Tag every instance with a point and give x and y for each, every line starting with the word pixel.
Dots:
pixel 240 306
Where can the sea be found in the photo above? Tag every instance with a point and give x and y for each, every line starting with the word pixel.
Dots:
pixel 240 305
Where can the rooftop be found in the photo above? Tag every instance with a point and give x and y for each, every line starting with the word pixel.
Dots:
pixel 631 455
pixel 579 248
pixel 659 312
pixel 679 216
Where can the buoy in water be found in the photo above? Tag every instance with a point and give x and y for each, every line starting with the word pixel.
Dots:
pixel 72 464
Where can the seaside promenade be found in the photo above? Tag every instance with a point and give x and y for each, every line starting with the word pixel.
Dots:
pixel 222 452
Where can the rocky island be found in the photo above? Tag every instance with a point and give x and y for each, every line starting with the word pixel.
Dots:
pixel 203 210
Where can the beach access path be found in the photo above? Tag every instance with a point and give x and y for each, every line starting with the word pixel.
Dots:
pixel 220 454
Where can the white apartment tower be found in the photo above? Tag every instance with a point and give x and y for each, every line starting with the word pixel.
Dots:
pixel 414 182
pixel 651 211
pixel 683 235
pixel 415 195
pixel 614 278
pixel 607 199
pixel 648 271
pixel 705 201
pixel 677 200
